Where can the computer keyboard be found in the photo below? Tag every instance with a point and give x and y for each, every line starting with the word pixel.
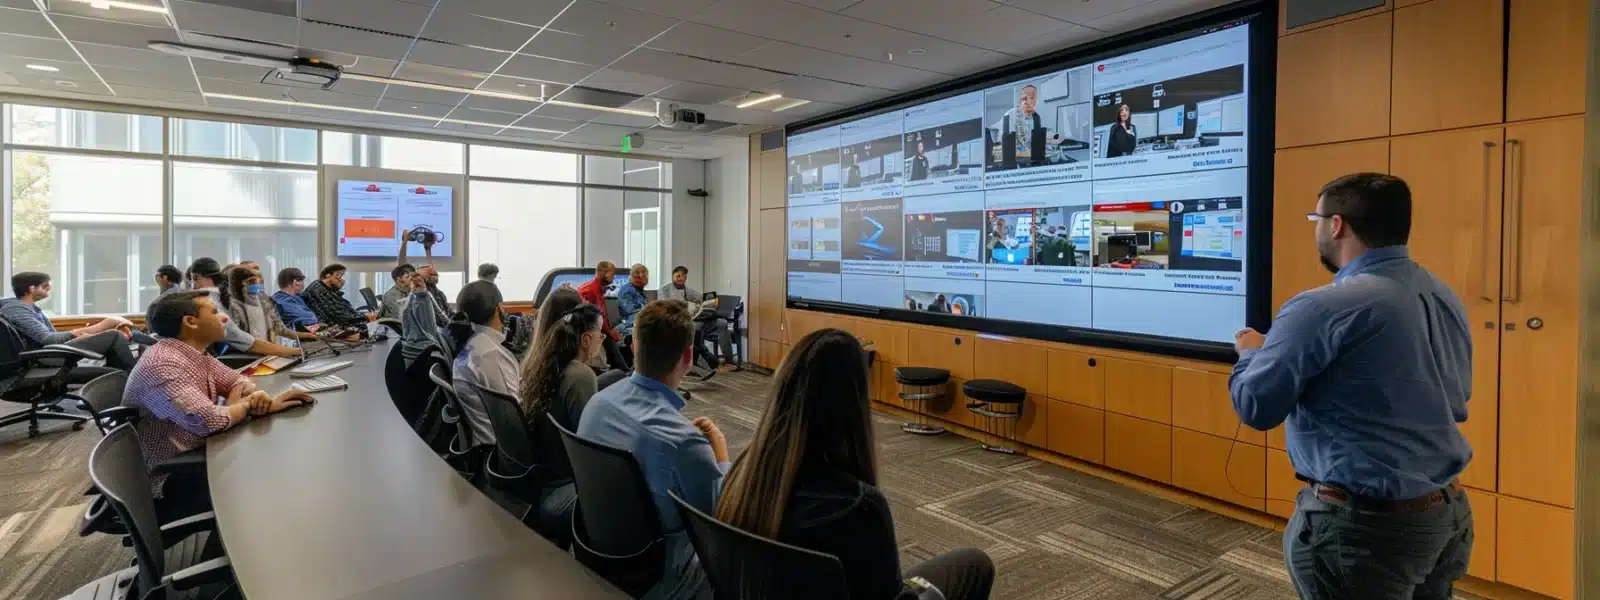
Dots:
pixel 318 367
pixel 320 384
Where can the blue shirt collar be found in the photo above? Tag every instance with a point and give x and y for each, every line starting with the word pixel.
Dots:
pixel 656 386
pixel 1370 259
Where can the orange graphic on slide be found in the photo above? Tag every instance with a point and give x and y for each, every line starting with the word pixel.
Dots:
pixel 369 228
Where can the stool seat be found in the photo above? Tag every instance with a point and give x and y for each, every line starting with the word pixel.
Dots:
pixel 924 376
pixel 994 391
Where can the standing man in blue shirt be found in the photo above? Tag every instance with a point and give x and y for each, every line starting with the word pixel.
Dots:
pixel 643 414
pixel 1371 373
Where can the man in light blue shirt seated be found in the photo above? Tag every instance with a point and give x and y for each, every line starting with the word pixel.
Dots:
pixel 630 298
pixel 643 414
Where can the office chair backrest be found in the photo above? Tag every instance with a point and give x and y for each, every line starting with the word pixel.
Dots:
pixel 439 373
pixel 618 511
pixel 370 298
pixel 727 304
pixel 11 347
pixel 104 392
pixel 513 449
pixel 613 311
pixel 407 387
pixel 117 469
pixel 745 566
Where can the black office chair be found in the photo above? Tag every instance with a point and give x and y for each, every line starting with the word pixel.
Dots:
pixel 615 530
pixel 744 566
pixel 463 453
pixel 408 388
pixel 371 299
pixel 102 399
pixel 393 324
pixel 513 469
pixel 163 566
pixel 730 309
pixel 40 378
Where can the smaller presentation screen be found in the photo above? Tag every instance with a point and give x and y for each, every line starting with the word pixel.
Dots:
pixel 372 215
pixel 1145 123
pixel 1171 122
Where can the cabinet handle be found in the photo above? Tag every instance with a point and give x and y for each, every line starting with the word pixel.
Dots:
pixel 1514 175
pixel 1483 230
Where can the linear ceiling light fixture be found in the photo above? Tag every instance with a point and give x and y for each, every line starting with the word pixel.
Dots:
pixel 45 68
pixel 381 113
pixel 767 98
pixel 110 4
pixel 494 94
pixel 791 105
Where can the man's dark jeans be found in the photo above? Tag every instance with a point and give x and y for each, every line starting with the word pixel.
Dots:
pixel 1336 553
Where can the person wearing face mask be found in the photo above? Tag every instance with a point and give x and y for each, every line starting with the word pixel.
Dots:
pixel 207 276
pixel 254 311
pixel 329 305
pixel 557 382
pixel 1370 376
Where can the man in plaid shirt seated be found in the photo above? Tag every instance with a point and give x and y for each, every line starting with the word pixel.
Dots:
pixel 185 395
pixel 329 305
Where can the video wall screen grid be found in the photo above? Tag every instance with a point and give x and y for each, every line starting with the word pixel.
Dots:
pixel 1108 196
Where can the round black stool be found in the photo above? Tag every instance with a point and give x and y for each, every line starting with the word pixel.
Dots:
pixel 918 385
pixel 996 402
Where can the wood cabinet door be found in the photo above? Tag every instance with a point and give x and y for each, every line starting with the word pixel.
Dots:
pixel 1076 431
pixel 1220 467
pixel 1539 334
pixel 1297 177
pixel 1455 180
pixel 1139 389
pixel 1140 447
pixel 771 279
pixel 1484 546
pixel 1533 546
pixel 1077 378
pixel 1448 65
pixel 1545 73
pixel 1281 484
pixel 1354 53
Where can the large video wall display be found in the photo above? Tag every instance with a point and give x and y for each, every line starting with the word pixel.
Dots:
pixel 1106 196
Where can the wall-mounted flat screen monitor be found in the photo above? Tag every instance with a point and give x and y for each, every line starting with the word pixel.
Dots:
pixel 371 216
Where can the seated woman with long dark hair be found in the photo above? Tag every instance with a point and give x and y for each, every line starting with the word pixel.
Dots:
pixel 561 301
pixel 557 381
pixel 809 478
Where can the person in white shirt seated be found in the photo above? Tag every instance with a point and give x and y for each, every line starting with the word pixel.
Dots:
pixel 482 359
pixel 705 316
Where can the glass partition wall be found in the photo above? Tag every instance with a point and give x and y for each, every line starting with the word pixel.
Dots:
pixel 100 199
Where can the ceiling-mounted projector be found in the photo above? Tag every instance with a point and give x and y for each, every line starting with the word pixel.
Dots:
pixel 679 118
pixel 293 72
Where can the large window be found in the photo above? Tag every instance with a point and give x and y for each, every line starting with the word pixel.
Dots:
pixel 100 199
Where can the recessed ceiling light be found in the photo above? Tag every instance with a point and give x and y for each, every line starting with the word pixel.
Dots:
pixel 767 98
pixel 382 113
pixel 415 107
pixel 917 51
pixel 791 105
pixel 110 4
pixel 522 85
pixel 66 84
pixel 45 68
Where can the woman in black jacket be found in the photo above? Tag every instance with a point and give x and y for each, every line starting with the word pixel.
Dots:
pixel 810 478
pixel 1124 136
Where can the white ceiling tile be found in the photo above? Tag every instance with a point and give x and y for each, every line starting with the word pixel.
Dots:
pixel 456 57
pixel 241 88
pixel 685 68
pixel 339 39
pixel 382 15
pixel 204 17
pixel 216 69
pixel 497 105
pixel 626 82
pixel 828 4
pixel 29 5
pixel 569 113
pixel 979 23
pixel 440 75
pixel 472 30
pixel 1151 14
pixel 332 98
pixel 78 81
pixel 544 69
pixel 898 13
pixel 809 109
pixel 680 9
pixel 541 122
pixel 136 17
pixel 826 91
pixel 357 87
pixel 472 113
pixel 527 12
pixel 620 25
pixel 801 60
pixel 112 33
pixel 1045 43
pixel 590 50
pixel 807 26
pixel 423 95
pixel 707 42
pixel 165 95
pixel 514 85
pixel 24 22
pixel 700 93
pixel 39 48
pixel 409 107
pixel 365 65
pixel 164 78
pixel 68 70
pixel 127 58
pixel 1076 11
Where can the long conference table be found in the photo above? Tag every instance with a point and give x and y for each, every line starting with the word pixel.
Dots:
pixel 341 499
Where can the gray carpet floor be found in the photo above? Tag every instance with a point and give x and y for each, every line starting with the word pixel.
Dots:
pixel 1054 533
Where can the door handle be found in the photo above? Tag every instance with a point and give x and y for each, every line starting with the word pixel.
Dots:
pixel 1514 257
pixel 1483 230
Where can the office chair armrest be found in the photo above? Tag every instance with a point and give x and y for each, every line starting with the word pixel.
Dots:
pixel 496 477
pixel 176 531
pixel 193 459
pixel 118 415
pixel 216 570
pixel 390 322
pixel 60 351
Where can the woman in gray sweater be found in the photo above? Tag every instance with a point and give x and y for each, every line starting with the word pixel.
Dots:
pixel 557 381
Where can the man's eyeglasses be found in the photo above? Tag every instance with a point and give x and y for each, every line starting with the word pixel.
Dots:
pixel 1316 216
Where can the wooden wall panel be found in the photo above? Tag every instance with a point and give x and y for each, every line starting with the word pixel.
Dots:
pixel 1023 364
pixel 1534 547
pixel 941 349
pixel 1076 431
pixel 771 277
pixel 1356 55
pixel 1545 69
pixel 1139 389
pixel 1201 402
pixel 1220 467
pixel 1281 484
pixel 1485 547
pixel 1078 378
pixel 1140 447
pixel 1448 65
pixel 1299 175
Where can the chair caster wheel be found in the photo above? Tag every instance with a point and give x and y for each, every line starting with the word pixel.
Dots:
pixel 77 426
pixel 33 432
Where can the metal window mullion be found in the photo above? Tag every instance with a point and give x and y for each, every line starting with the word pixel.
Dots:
pixel 167 230
pixel 6 256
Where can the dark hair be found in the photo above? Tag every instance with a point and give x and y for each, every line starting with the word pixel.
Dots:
pixel 1376 206
pixel 167 312
pixel 288 276
pixel 401 271
pixel 661 332
pixel 680 269
pixel 170 272
pixel 817 417
pixel 478 302
pixel 542 369
pixel 235 288
pixel 22 282
pixel 208 268
pixel 488 270
pixel 555 306
pixel 329 270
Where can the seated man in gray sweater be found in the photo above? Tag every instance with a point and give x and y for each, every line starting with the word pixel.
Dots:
pixel 705 315
pixel 108 338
